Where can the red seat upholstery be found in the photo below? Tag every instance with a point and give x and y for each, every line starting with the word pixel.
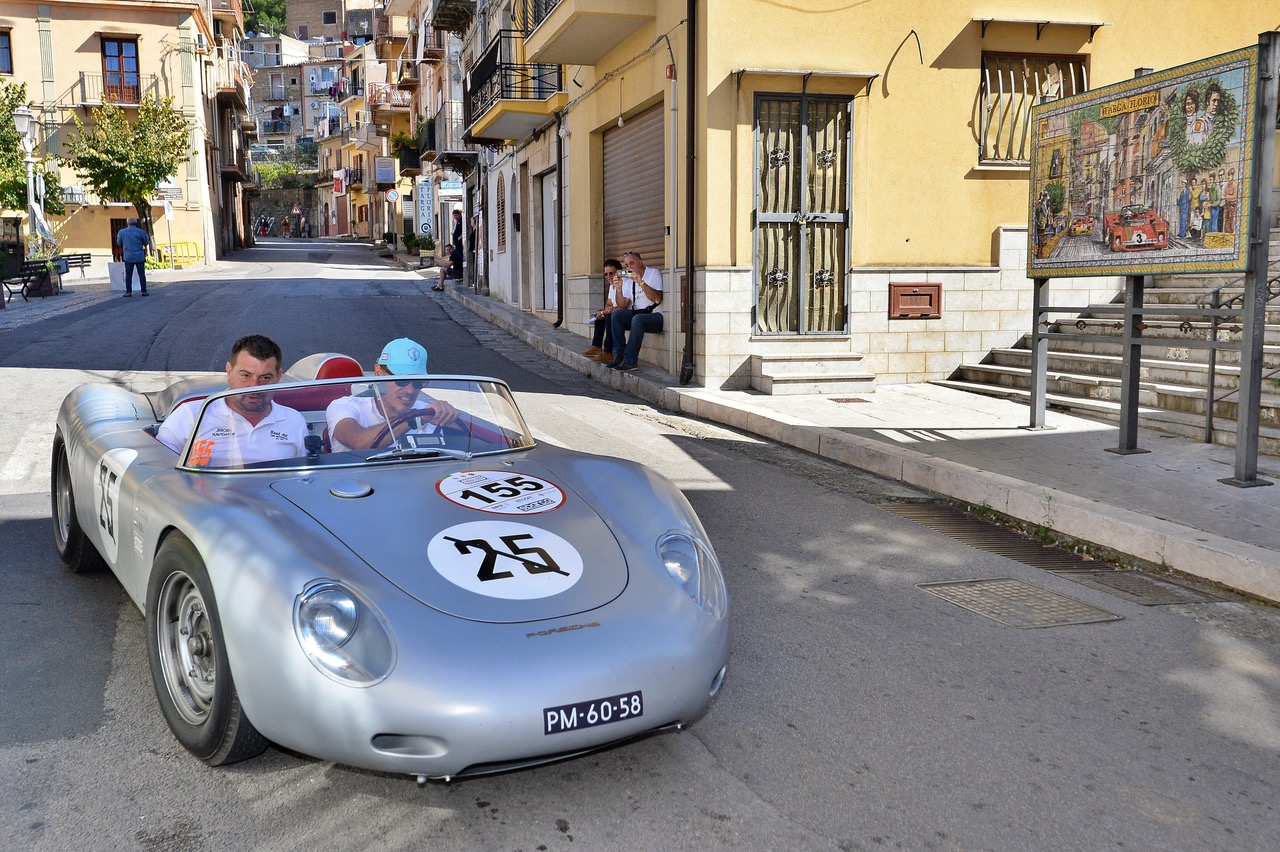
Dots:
pixel 315 398
pixel 339 367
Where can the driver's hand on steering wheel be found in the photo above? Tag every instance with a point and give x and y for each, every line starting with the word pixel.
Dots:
pixel 442 413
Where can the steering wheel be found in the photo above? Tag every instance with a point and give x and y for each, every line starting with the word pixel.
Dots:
pixel 458 424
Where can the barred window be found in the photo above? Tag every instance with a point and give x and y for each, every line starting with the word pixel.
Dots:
pixel 501 209
pixel 1011 84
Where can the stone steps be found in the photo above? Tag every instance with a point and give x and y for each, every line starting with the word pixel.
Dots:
pixel 804 373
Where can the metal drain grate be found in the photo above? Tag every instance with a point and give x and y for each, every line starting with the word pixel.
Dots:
pixel 1139 588
pixel 984 535
pixel 1017 604
pixel 848 399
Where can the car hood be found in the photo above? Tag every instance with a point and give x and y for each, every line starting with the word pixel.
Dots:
pixel 446 534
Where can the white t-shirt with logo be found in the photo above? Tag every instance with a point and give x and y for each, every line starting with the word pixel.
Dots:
pixel 364 411
pixel 226 439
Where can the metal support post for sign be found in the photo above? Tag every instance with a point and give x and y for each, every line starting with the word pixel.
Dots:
pixel 1039 351
pixel 1131 371
pixel 1255 282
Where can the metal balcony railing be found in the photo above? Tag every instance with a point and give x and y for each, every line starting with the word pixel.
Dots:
pixel 355 176
pixel 383 95
pixel 536 11
pixel 117 87
pixel 448 128
pixel 497 76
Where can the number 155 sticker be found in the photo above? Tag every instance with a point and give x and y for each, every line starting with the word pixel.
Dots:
pixel 501 492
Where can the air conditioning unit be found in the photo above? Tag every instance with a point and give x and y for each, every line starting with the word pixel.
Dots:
pixel 315 105
pixel 202 46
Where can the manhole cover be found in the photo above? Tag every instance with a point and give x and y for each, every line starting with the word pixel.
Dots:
pixel 986 536
pixel 1139 588
pixel 1017 604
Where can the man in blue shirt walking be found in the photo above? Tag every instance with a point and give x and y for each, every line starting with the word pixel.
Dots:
pixel 134 241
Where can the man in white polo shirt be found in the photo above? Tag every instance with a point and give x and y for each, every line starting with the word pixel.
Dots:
pixel 244 428
pixel 355 422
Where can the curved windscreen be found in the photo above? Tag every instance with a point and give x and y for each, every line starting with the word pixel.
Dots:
pixel 374 420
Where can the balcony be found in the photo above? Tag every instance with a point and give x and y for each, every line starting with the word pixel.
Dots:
pixel 326 127
pixel 445 131
pixel 232 80
pixel 386 96
pixel 434 44
pixel 235 164
pixel 347 89
pixel 228 10
pixel 321 86
pixel 124 89
pixel 507 99
pixel 408 78
pixel 410 163
pixel 276 126
pixel 582 32
pixel 368 137
pixel 355 176
pixel 454 16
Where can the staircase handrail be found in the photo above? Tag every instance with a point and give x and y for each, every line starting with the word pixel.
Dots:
pixel 1215 295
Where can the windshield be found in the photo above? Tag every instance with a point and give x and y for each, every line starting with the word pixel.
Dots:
pixel 375 420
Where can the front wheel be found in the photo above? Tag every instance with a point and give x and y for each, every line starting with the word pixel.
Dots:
pixel 77 552
pixel 189 660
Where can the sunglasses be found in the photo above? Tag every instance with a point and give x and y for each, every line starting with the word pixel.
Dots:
pixel 417 385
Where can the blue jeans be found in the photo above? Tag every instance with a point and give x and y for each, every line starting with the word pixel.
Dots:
pixel 627 345
pixel 129 266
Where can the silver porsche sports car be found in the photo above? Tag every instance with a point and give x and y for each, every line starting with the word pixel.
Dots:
pixel 458 600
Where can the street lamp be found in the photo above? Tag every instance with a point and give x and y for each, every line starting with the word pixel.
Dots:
pixel 22 117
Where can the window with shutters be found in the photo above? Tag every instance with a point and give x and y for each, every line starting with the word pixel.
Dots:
pixel 1010 86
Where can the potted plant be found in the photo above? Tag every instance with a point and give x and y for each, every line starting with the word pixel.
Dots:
pixel 428 244
pixel 411 244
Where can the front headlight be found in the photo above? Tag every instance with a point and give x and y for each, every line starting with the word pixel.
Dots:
pixel 694 567
pixel 342 634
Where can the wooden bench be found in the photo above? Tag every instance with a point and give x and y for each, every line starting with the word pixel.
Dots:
pixel 78 261
pixel 30 280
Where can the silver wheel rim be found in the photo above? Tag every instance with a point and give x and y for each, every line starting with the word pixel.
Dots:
pixel 188 655
pixel 62 523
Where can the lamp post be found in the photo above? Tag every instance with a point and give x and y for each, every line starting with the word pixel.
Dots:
pixel 22 117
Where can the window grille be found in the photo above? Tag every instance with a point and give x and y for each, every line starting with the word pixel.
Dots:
pixel 501 198
pixel 1011 85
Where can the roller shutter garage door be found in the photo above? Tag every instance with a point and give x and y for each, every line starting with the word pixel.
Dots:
pixel 634 189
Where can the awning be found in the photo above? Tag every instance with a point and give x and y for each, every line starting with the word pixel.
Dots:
pixel 1041 24
pixel 739 73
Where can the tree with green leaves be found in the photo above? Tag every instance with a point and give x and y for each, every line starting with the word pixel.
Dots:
pixel 118 158
pixel 13 169
pixel 267 16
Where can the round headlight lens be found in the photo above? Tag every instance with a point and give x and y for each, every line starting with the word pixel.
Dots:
pixel 329 615
pixel 343 635
pixel 694 567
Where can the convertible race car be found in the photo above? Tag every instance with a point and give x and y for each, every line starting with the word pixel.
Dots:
pixel 1135 228
pixel 460 600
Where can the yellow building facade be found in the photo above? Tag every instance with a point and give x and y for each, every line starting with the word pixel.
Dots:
pixel 73 56
pixel 860 170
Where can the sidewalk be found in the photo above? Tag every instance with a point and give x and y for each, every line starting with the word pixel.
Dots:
pixel 1164 507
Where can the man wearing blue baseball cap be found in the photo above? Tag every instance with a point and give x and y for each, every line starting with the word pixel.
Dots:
pixel 356 421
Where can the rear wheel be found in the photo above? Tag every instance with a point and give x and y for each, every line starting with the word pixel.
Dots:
pixel 189 660
pixel 73 545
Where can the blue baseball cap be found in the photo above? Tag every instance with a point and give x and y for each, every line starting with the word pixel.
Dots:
pixel 403 356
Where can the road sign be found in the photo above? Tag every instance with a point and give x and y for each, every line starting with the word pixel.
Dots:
pixel 168 209
pixel 393 195
pixel 296 210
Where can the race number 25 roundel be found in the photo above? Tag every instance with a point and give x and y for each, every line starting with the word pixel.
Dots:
pixel 503 559
pixel 501 492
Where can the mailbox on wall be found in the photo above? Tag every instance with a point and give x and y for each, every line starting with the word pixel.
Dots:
pixel 915 300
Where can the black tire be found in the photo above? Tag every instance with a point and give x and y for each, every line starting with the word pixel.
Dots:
pixel 77 552
pixel 189 660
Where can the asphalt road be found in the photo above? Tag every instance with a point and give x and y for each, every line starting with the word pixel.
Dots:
pixel 859 711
